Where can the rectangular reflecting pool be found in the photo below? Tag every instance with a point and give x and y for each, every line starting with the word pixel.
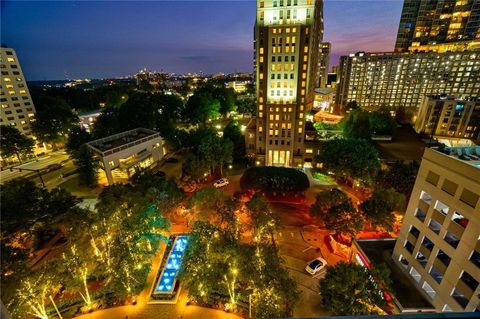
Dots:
pixel 168 278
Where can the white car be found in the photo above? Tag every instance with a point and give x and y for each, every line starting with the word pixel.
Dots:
pixel 316 265
pixel 221 182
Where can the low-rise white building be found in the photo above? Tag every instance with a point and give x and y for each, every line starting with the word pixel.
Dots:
pixel 121 154
pixel 87 119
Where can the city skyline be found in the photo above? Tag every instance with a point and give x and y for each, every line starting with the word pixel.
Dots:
pixel 106 47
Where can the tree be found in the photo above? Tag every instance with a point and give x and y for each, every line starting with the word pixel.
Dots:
pixel 274 179
pixel 233 133
pixel 106 124
pixel 398 176
pixel 344 219
pixel 87 166
pixel 195 167
pixel 76 139
pixel 264 222
pixel 353 159
pixel 351 106
pixel 54 119
pixel 218 267
pixel 215 151
pixel 201 107
pixel 31 298
pixel 326 200
pixel 246 105
pixel 208 198
pixel 77 266
pixel 379 208
pixel 127 235
pixel 12 142
pixel 347 289
pixel 20 212
pixel 226 98
pixel 357 125
pixel 382 123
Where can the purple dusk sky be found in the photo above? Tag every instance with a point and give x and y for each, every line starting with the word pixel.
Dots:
pixel 78 39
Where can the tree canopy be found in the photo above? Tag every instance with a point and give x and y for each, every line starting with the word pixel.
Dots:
pixel 379 208
pixel 21 212
pixel 353 159
pixel 357 125
pixel 398 176
pixel 233 133
pixel 208 152
pixel 54 119
pixel 201 107
pixel 348 289
pixel 14 143
pixel 220 268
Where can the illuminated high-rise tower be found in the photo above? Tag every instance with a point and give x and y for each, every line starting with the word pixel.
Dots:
pixel 287 37
pixel 439 25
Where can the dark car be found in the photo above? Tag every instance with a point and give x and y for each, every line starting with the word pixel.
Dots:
pixel 171 160
pixel 53 167
pixel 160 174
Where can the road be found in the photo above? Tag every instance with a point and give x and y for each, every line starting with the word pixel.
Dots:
pixel 41 164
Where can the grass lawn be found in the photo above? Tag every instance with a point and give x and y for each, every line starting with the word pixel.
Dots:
pixel 324 179
pixel 73 186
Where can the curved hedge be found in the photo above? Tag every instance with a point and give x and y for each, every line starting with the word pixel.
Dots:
pixel 274 179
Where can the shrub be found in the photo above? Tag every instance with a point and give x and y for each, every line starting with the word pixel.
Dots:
pixel 274 179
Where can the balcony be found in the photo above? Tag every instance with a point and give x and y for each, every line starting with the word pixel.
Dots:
pixel 420 215
pixel 444 258
pixel 452 239
pixel 422 260
pixel 434 226
pixel 456 229
pixel 438 216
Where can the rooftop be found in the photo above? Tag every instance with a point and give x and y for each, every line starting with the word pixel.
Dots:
pixel 117 142
pixel 469 155
pixel 407 294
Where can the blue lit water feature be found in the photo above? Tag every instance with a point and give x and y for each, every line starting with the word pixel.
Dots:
pixel 166 282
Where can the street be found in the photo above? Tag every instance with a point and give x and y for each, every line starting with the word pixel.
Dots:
pixel 51 179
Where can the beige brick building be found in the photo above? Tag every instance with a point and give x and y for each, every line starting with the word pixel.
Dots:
pixel 439 242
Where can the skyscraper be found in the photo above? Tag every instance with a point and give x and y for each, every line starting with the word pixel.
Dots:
pixel 287 37
pixel 435 25
pixel 323 59
pixel 17 106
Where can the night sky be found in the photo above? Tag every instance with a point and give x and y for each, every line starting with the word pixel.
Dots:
pixel 79 39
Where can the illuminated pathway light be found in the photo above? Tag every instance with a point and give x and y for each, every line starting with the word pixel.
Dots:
pixel 166 282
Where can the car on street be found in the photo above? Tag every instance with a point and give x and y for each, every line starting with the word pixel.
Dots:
pixel 171 160
pixel 53 167
pixel 221 183
pixel 314 266
pixel 160 174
